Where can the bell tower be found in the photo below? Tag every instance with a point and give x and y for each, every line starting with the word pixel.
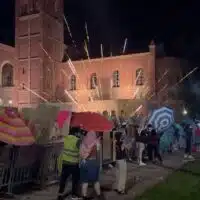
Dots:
pixel 39 41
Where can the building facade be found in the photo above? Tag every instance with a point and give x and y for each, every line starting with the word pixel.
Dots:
pixel 32 72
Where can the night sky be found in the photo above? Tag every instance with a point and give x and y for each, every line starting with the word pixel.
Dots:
pixel 111 21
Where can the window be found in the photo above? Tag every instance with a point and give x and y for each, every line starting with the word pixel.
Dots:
pixel 113 113
pixel 73 82
pixel 24 10
pixel 105 113
pixel 93 81
pixel 30 7
pixel 116 81
pixel 35 6
pixel 140 76
pixel 7 75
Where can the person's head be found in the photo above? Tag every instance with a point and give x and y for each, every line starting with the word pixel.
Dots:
pixel 149 127
pixel 118 136
pixel 99 135
pixel 153 132
pixel 124 124
pixel 76 131
pixel 188 127
pixel 83 132
pixel 136 127
pixel 90 138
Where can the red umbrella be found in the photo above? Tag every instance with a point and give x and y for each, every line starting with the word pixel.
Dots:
pixel 91 122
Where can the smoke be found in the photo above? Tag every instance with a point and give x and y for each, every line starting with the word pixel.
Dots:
pixel 195 88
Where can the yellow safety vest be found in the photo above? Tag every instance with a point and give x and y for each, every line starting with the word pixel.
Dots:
pixel 71 151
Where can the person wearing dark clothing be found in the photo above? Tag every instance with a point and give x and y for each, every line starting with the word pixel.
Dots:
pixel 189 133
pixel 141 140
pixel 121 165
pixel 153 146
pixel 146 133
pixel 148 130
pixel 70 164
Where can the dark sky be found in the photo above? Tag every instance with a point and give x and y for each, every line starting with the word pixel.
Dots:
pixel 111 21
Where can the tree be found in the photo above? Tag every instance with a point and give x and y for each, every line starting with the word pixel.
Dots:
pixel 190 95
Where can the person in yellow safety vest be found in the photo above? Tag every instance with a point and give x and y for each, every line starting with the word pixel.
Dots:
pixel 70 163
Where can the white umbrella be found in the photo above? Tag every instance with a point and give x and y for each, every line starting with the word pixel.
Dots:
pixel 161 119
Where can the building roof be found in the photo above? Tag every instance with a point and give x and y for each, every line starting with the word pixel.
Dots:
pixel 113 57
pixel 7 48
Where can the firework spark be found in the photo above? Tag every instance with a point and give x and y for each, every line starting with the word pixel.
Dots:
pixel 86 30
pixel 165 73
pixel 137 110
pixel 45 51
pixel 86 50
pixel 125 45
pixel 35 93
pixel 68 28
pixel 186 76
pixel 101 47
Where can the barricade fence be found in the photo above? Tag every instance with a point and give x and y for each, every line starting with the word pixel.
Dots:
pixel 36 164
pixel 24 165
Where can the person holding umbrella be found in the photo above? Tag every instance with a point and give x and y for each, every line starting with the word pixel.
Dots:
pixel 90 163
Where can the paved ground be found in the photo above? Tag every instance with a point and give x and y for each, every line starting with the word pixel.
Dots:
pixel 139 179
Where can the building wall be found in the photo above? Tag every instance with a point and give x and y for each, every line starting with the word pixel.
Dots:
pixel 169 71
pixel 39 43
pixel 126 65
pixel 7 57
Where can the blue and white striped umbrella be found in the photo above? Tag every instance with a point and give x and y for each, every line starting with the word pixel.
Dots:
pixel 161 119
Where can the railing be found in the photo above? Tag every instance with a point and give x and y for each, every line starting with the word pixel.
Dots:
pixel 34 164
pixel 20 166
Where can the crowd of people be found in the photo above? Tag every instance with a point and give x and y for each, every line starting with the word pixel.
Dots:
pixel 81 156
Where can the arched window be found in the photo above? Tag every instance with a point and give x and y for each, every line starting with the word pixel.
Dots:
pixel 113 113
pixel 7 75
pixel 116 81
pixel 73 82
pixel 140 76
pixel 93 81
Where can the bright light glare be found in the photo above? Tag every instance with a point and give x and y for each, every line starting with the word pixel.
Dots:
pixel 185 112
pixel 10 102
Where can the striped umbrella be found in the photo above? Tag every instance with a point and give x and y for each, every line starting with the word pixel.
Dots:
pixel 161 119
pixel 13 129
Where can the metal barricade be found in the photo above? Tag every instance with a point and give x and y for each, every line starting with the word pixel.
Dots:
pixel 24 166
pixel 37 164
pixel 17 167
pixel 4 167
pixel 49 167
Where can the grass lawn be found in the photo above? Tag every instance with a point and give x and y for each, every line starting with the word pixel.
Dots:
pixel 180 185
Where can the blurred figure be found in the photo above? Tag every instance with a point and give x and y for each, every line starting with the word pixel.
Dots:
pixel 176 139
pixel 121 165
pixel 147 132
pixel 90 163
pixel 154 152
pixel 70 163
pixel 189 134
pixel 141 140
pixel 129 141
